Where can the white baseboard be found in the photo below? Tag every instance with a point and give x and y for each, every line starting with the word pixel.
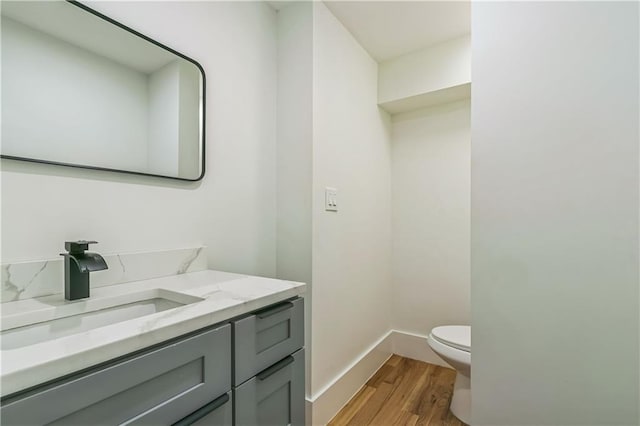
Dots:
pixel 308 410
pixel 414 346
pixel 328 401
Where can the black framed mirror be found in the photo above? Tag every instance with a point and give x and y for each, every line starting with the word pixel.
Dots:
pixel 82 90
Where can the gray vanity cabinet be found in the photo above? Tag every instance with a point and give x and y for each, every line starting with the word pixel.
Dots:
pixel 269 366
pixel 186 381
pixel 159 387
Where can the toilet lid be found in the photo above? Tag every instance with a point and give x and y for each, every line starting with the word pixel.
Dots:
pixel 457 336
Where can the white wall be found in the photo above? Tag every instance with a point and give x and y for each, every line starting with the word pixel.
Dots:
pixel 86 93
pixel 431 210
pixel 351 247
pixel 174 120
pixel 190 163
pixel 232 210
pixel 164 103
pixel 294 163
pixel 554 243
pixel 294 146
pixel 431 69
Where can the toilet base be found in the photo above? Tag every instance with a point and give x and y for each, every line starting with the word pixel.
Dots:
pixel 461 399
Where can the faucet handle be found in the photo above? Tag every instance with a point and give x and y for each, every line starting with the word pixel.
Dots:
pixel 77 247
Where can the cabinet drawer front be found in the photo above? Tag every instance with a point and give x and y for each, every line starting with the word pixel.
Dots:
pixel 275 397
pixel 218 412
pixel 266 337
pixel 157 387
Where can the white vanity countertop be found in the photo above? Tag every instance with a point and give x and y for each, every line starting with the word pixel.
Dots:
pixel 225 296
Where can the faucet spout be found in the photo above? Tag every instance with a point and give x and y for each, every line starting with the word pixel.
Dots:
pixel 77 265
pixel 88 262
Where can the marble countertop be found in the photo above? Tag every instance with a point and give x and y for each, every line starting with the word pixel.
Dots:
pixel 225 295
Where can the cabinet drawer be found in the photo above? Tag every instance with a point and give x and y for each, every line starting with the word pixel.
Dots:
pixel 275 397
pixel 218 412
pixel 156 388
pixel 266 337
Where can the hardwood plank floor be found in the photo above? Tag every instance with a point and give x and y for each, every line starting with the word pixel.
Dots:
pixel 402 392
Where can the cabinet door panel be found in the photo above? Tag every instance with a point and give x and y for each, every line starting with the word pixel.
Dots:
pixel 158 387
pixel 266 337
pixel 275 397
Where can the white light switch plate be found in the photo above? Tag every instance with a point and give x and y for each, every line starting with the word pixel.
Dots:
pixel 331 199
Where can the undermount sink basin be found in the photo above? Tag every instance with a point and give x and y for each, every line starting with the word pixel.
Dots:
pixel 53 322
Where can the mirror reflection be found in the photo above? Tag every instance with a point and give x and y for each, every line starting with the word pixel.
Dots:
pixel 78 89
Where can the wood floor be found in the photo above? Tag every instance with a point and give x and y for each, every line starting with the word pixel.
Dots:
pixel 402 392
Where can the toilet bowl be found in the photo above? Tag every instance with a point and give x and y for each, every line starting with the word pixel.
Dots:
pixel 452 343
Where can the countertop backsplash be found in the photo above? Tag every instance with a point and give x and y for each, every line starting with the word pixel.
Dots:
pixel 26 280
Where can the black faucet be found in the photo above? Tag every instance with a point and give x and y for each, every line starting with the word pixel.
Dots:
pixel 77 265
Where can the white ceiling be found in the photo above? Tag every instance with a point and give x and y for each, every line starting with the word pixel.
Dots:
pixel 387 29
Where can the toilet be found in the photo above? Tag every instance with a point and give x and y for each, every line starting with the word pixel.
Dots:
pixel 452 343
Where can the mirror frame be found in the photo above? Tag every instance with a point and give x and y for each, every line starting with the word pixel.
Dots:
pixel 107 169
